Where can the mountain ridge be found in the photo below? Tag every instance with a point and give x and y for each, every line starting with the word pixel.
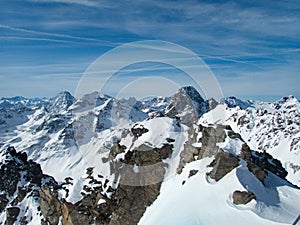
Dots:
pixel 118 158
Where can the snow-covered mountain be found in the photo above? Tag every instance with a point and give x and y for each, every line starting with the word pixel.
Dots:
pixel 271 127
pixel 233 102
pixel 175 160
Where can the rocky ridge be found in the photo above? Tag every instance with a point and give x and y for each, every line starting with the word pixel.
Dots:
pixel 135 160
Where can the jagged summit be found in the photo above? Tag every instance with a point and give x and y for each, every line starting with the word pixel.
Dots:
pixel 191 92
pixel 89 100
pixel 187 104
pixel 61 102
pixel 233 102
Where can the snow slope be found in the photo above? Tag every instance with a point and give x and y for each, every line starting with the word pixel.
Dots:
pixel 201 201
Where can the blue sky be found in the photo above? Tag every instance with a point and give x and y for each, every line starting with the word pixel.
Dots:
pixel 252 47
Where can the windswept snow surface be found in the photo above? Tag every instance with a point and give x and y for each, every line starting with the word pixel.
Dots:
pixel 159 130
pixel 198 200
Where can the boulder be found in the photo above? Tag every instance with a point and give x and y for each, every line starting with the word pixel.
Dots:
pixel 192 173
pixel 242 197
pixel 12 214
pixel 138 131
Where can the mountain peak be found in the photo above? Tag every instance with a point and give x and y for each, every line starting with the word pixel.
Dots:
pixel 90 100
pixel 64 94
pixel 233 102
pixel 191 92
pixel 187 104
pixel 61 102
pixel 288 99
pixel 287 102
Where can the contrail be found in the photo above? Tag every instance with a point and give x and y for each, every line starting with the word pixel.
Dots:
pixel 230 60
pixel 36 39
pixel 103 42
pixel 109 43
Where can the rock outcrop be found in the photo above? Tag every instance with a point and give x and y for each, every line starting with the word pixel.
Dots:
pixel 211 135
pixel 140 179
pixel 127 201
pixel 49 204
pixel 260 163
pixel 20 179
pixel 223 163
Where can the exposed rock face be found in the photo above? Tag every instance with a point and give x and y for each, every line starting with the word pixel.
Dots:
pixel 242 197
pixel 145 182
pixel 266 161
pixel 85 211
pixel 234 135
pixel 132 202
pixel 19 179
pixel 223 163
pixel 3 202
pixel 192 173
pixel 210 137
pixel 259 172
pixel 10 177
pixel 212 103
pixel 145 155
pixel 50 206
pixel 126 203
pixel 189 152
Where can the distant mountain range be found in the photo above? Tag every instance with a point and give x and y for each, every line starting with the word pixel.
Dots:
pixel 174 160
